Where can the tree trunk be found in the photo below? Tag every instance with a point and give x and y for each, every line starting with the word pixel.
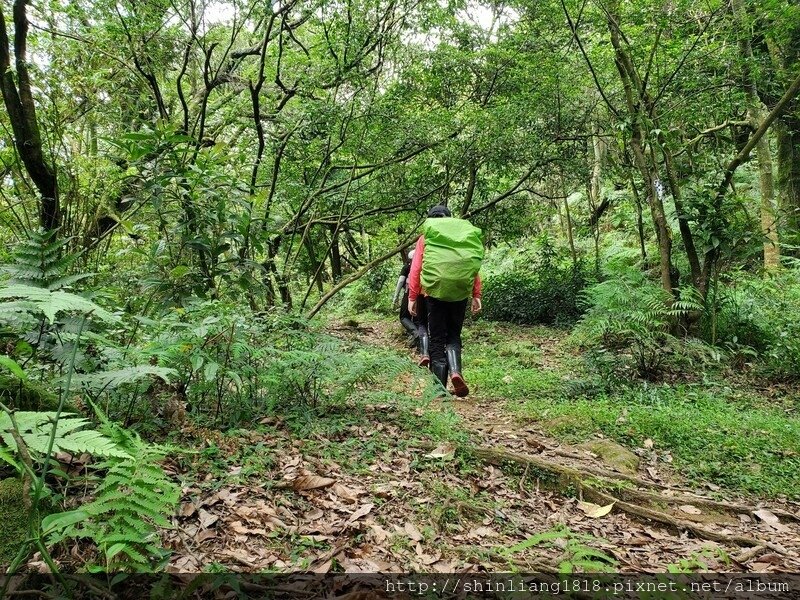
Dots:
pixel 18 99
pixel 639 222
pixel 469 195
pixel 755 114
pixel 788 188
pixel 598 157
pixel 649 170
pixel 336 259
pixel 570 237
pixel 787 129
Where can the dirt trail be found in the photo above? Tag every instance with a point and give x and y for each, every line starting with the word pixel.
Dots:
pixel 420 508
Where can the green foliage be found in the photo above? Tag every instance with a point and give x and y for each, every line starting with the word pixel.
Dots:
pixel 546 291
pixel 41 261
pixel 113 379
pixel 38 317
pixel 312 369
pixel 629 313
pixel 36 428
pixel 132 501
pixel 706 431
pixel 224 363
pixel 758 319
pixel 20 299
pixel 373 291
pixel 578 556
pixel 698 561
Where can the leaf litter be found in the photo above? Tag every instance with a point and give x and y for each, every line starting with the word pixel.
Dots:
pixel 408 509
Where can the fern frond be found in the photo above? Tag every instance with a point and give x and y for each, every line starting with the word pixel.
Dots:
pixel 109 380
pixel 51 303
pixel 133 500
pixel 35 429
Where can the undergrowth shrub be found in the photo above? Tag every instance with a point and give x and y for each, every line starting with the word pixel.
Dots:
pixel 548 291
pixel 213 361
pixel 131 498
pixel 631 319
pixel 764 315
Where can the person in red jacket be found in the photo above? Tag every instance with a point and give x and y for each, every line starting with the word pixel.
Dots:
pixel 445 319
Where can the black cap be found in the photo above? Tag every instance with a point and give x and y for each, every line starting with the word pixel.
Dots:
pixel 440 210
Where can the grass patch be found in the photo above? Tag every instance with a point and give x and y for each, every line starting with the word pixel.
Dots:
pixel 710 438
pixel 716 431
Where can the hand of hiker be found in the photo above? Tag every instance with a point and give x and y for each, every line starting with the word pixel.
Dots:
pixel 476 305
pixel 412 307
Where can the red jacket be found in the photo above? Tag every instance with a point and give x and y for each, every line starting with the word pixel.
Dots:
pixel 414 288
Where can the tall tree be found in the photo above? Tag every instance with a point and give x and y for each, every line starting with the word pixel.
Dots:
pixel 18 98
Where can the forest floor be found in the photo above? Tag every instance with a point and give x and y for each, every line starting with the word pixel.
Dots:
pixel 505 480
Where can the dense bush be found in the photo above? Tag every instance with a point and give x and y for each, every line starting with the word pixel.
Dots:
pixel 745 319
pixel 633 325
pixel 550 292
pixel 764 314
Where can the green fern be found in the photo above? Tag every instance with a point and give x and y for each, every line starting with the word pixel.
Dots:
pixel 40 261
pixel 134 500
pixel 629 313
pixel 43 301
pixel 35 429
pixel 112 379
pixel 578 557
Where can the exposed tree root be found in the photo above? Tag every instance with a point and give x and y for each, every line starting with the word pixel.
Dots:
pixel 730 507
pixel 498 457
pixel 680 524
pixel 584 479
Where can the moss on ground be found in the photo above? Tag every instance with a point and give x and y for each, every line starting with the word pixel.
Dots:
pixel 13 519
pixel 26 395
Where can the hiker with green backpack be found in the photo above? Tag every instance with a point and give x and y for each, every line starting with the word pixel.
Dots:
pixel 444 272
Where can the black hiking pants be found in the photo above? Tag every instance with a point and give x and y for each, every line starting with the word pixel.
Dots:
pixel 445 321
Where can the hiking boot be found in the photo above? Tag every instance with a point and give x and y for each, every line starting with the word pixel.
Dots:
pixel 409 326
pixel 424 356
pixel 460 388
pixel 439 369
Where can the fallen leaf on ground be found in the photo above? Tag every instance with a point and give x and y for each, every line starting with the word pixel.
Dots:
pixel 413 532
pixel 206 518
pixel 595 510
pixel 446 451
pixel 314 514
pixel 324 567
pixel 379 533
pixel 648 443
pixel 311 482
pixel 361 512
pixel 344 493
pixel 206 534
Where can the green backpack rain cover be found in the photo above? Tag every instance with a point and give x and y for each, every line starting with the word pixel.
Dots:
pixel 452 259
